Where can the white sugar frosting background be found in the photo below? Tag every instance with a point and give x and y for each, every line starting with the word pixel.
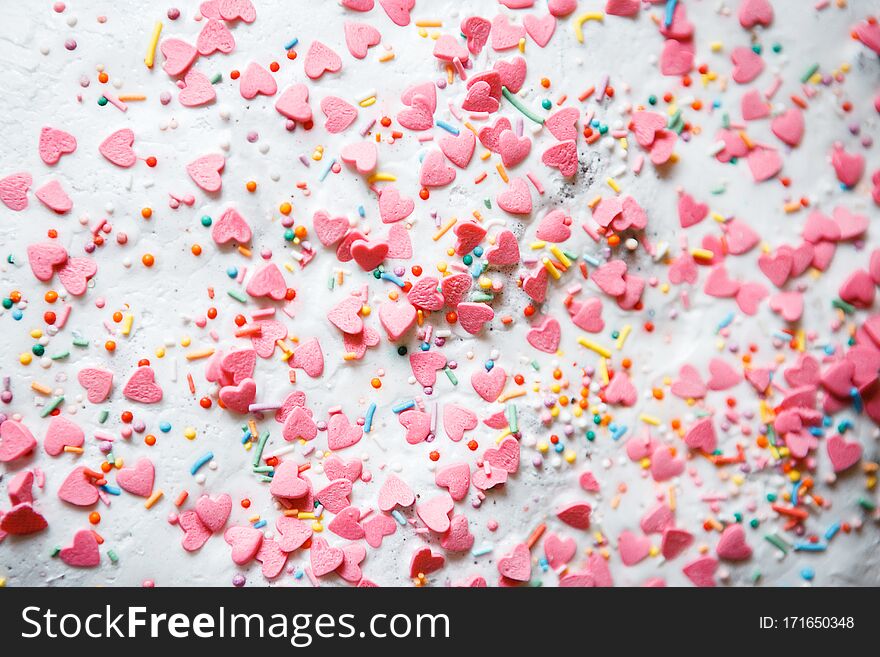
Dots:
pixel 40 89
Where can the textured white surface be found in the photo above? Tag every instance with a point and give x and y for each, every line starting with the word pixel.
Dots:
pixel 44 89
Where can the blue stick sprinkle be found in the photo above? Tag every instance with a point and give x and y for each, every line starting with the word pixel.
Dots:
pixel 831 532
pixel 394 279
pixel 398 516
pixel 403 406
pixel 724 323
pixel 810 547
pixel 447 127
pixel 107 488
pixel 327 169
pixel 201 462
pixel 291 44
pixel 368 420
pixel 670 11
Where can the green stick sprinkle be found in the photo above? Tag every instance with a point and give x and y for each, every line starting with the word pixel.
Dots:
pixel 80 342
pixel 63 354
pixel 451 376
pixel 522 108
pixel 260 446
pixel 238 296
pixel 770 538
pixel 103 415
pixel 511 418
pixel 51 407
pixel 809 73
pixel 844 306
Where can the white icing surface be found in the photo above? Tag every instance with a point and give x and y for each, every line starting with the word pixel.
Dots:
pixel 42 87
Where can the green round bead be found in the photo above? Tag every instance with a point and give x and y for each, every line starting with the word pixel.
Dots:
pixel 546 104
pixel 38 350
pixel 7 303
pixel 652 99
pixel 289 235
pixel 591 436
pixel 206 221
pixel 468 259
pixel 102 101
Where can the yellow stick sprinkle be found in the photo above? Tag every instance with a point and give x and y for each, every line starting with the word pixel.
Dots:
pixel 513 394
pixel 592 346
pixel 429 23
pixel 470 127
pixel 649 419
pixel 593 203
pixel 349 355
pixel 381 177
pixel 126 324
pixel 130 97
pixel 534 246
pixel 603 371
pixel 702 254
pixel 719 218
pixel 155 497
pixel 200 353
pixel 73 450
pixel 560 256
pixel 522 45
pixel 612 183
pixel 502 172
pixel 445 228
pixel 304 515
pixel 583 18
pixel 366 102
pixel 151 50
pixel 624 334
pixel 504 435
pixel 671 498
pixel 387 57
pixel 243 250
pixel 39 387
pixel 551 268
